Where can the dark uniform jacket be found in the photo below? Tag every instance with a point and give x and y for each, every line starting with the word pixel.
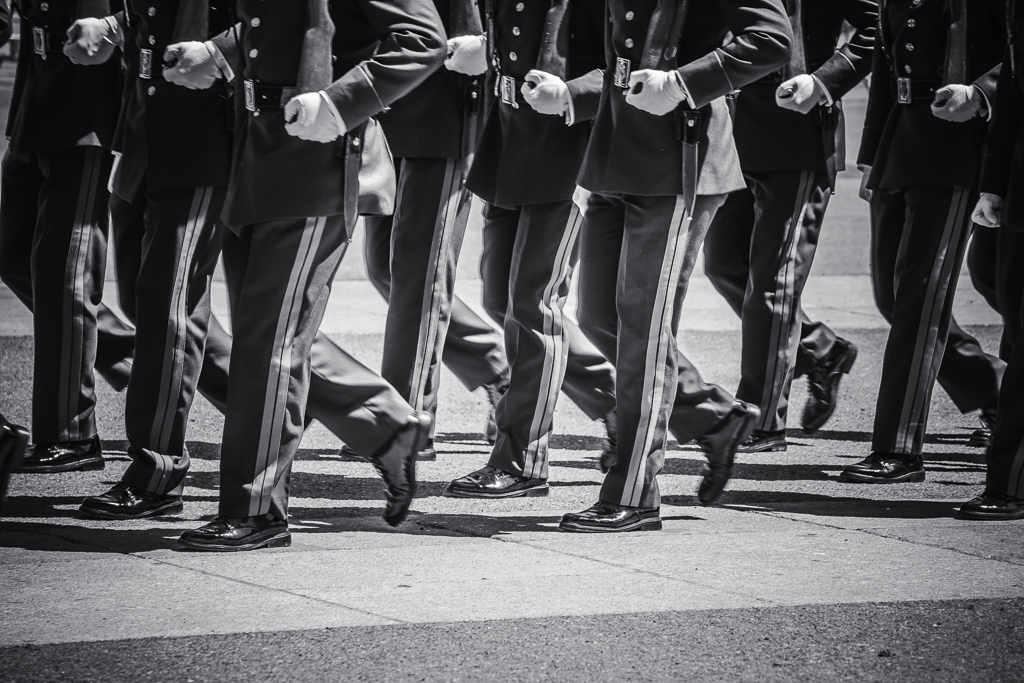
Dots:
pixel 382 49
pixel 1003 169
pixel 170 137
pixel 6 28
pixel 770 138
pixel 525 157
pixel 428 122
pixel 905 143
pixel 55 104
pixel 634 152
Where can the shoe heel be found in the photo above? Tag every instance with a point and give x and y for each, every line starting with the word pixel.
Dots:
pixel 90 466
pixel 536 493
pixel 916 477
pixel 283 541
pixel 848 361
pixel 650 525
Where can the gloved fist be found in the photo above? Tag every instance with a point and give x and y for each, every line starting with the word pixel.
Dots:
pixel 191 65
pixel 957 103
pixel 864 192
pixel 655 92
pixel 467 55
pixel 309 117
pixel 800 93
pixel 546 93
pixel 988 210
pixel 89 41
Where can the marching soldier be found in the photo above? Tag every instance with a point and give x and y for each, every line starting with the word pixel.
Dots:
pixel 547 59
pixel 790 137
pixel 411 257
pixel 934 71
pixel 53 225
pixel 661 123
pixel 1001 207
pixel 171 178
pixel 311 75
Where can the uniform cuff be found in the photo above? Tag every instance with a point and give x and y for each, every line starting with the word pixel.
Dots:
pixel 226 71
pixel 824 90
pixel 338 121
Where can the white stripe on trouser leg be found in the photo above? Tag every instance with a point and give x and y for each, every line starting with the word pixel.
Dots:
pixel 436 280
pixel 175 340
pixel 535 463
pixel 924 363
pixel 778 352
pixel 73 326
pixel 658 340
pixel 279 374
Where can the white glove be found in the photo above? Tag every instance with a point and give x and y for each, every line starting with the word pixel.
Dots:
pixel 91 41
pixel 988 210
pixel 191 64
pixel 800 93
pixel 546 93
pixel 655 92
pixel 467 55
pixel 310 116
pixel 957 103
pixel 864 192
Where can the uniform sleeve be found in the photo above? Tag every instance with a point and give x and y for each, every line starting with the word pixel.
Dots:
pixel 761 42
pixel 413 45
pixel 1004 130
pixel 227 45
pixel 852 62
pixel 880 103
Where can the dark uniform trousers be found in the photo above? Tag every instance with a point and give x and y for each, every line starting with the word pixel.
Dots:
pixel 411 259
pixel 657 388
pixel 779 215
pixel 171 311
pixel 279 277
pixel 994 265
pixel 916 252
pixel 919 238
pixel 589 379
pixel 528 252
pixel 53 238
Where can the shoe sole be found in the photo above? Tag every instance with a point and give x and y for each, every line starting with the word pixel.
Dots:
pixel 419 444
pixel 426 455
pixel 990 517
pixel 772 448
pixel 282 540
pixel 742 434
pixel 844 367
pixel 643 525
pixel 89 465
pixel 866 479
pixel 536 492
pixel 169 509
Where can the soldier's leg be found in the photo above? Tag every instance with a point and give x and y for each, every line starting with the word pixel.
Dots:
pixel 1010 282
pixel 279 276
pixel 21 182
pixel 172 296
pixel 649 300
pixel 931 252
pixel 982 259
pixel 726 252
pixel 967 374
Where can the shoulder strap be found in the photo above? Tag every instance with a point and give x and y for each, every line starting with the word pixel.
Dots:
pixel 956 43
pixel 662 44
pixel 554 44
pixel 316 71
pixel 464 18
pixel 798 59
pixel 192 21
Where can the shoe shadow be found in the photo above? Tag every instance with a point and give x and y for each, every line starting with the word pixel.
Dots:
pixel 827 506
pixel 82 539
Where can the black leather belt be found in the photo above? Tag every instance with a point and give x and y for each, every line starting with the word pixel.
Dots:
pixel 911 90
pixel 259 96
pixel 47 43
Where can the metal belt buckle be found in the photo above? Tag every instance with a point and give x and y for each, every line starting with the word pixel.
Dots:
pixel 903 93
pixel 250 95
pixel 622 71
pixel 145 64
pixel 508 91
pixel 39 41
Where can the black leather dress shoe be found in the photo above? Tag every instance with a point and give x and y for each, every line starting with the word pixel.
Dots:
pixel 397 465
pixel 720 446
pixel 348 455
pixel 608 518
pixel 490 482
pixel 610 453
pixel 764 442
pixel 982 436
pixel 885 468
pixel 13 440
pixel 993 506
pixel 124 501
pixel 73 456
pixel 494 389
pixel 823 385
pixel 226 534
